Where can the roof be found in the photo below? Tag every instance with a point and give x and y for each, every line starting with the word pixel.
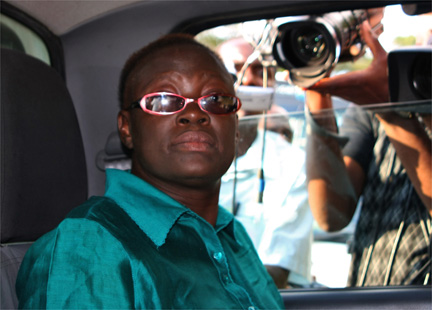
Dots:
pixel 73 13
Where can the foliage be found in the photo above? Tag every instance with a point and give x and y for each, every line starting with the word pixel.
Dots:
pixel 405 41
pixel 210 40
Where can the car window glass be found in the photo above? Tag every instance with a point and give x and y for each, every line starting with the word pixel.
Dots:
pixel 19 37
pixel 328 261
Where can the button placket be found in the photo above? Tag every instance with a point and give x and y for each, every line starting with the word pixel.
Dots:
pixel 219 257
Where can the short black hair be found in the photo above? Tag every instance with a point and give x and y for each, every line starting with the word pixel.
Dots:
pixel 151 49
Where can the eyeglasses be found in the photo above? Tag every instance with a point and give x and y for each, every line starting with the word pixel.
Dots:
pixel 166 103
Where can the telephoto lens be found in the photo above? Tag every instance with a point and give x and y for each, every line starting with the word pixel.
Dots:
pixel 308 48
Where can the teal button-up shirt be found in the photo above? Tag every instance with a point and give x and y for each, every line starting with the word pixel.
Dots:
pixel 136 247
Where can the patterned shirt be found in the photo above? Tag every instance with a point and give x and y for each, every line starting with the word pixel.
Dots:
pixel 392 239
pixel 136 247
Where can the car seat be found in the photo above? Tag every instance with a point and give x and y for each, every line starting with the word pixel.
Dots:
pixel 114 155
pixel 43 169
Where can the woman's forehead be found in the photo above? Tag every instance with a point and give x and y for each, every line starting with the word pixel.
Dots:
pixel 184 57
pixel 189 60
pixel 169 62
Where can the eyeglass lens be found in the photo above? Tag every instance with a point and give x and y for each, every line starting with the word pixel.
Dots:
pixel 164 103
pixel 219 104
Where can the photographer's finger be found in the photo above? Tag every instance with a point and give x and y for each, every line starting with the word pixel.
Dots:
pixel 375 16
pixel 371 39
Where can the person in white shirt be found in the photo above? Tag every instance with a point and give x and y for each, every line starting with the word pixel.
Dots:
pixel 281 225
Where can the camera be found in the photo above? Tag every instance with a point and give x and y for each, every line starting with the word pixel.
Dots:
pixel 410 74
pixel 309 47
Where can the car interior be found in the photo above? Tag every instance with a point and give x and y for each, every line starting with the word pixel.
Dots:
pixel 60 66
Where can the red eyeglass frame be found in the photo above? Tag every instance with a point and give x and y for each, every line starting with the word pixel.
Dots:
pixel 142 104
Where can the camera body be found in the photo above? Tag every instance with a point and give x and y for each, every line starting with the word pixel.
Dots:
pixel 309 47
pixel 410 74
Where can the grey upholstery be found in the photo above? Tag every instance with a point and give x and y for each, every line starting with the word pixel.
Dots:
pixel 43 170
pixel 11 257
pixel 114 155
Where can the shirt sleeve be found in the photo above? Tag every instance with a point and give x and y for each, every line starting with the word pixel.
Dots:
pixel 79 265
pixel 357 126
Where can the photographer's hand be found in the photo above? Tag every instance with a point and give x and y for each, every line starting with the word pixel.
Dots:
pixel 366 86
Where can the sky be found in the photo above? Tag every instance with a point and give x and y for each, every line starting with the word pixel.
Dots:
pixel 397 23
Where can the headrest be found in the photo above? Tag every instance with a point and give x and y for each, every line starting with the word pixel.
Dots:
pixel 115 155
pixel 43 169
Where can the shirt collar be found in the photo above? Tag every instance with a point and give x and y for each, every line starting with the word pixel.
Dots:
pixel 152 210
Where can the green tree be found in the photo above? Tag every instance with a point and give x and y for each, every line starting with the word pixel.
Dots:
pixel 210 40
pixel 405 41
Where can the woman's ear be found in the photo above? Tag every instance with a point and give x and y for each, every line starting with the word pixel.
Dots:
pixel 124 128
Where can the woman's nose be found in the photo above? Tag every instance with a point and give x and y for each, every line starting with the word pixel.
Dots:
pixel 192 114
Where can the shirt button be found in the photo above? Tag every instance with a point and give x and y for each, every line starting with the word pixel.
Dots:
pixel 226 278
pixel 218 256
pixel 251 308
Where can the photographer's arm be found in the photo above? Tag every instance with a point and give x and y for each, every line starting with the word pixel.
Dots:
pixel 413 147
pixel 334 181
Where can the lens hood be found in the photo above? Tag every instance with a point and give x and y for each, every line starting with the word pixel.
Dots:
pixel 309 47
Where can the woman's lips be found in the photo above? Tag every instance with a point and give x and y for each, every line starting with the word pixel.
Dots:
pixel 195 141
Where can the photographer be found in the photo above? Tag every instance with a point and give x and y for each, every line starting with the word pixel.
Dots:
pixel 386 160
